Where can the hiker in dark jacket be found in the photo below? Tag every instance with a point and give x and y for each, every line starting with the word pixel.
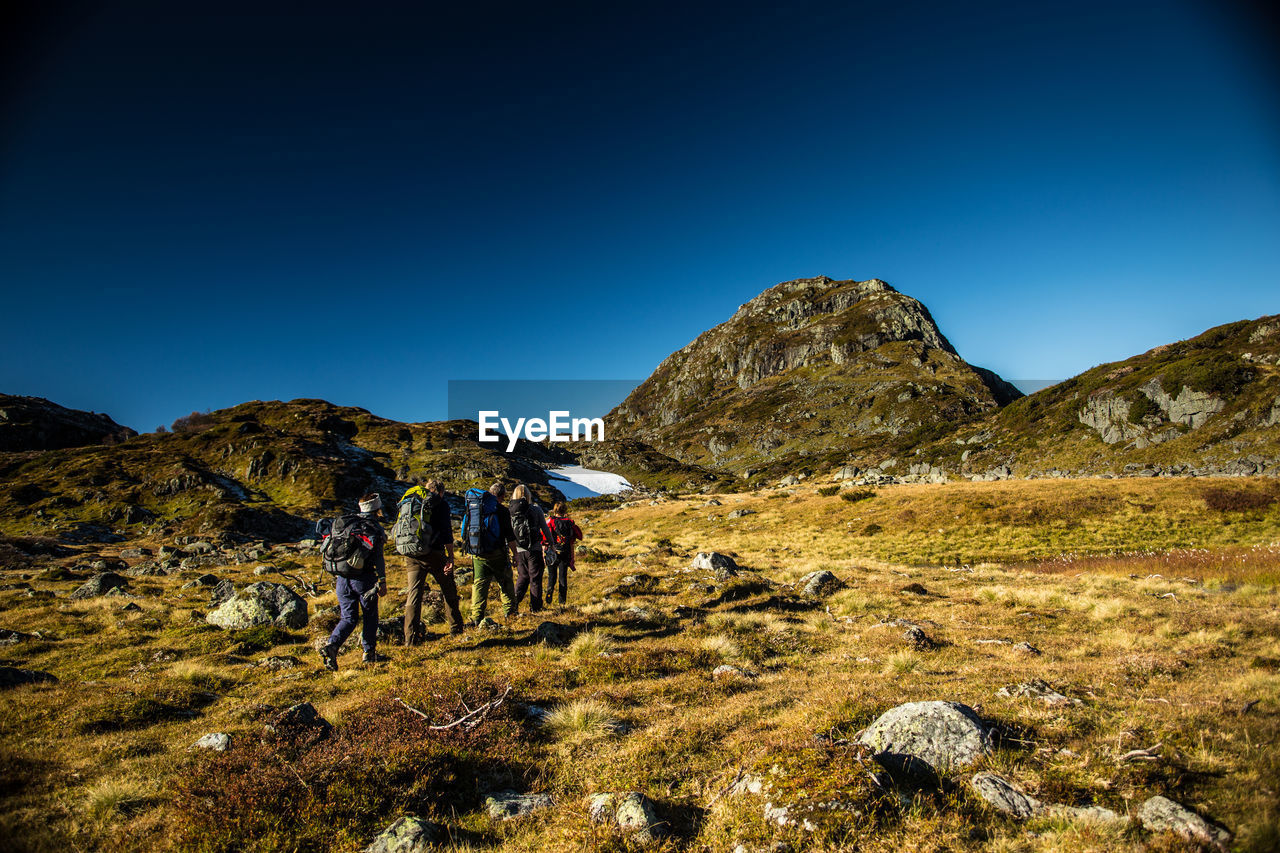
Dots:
pixel 495 565
pixel 530 527
pixel 564 532
pixel 359 593
pixel 438 563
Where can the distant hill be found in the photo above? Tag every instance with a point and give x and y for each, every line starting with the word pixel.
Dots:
pixel 264 469
pixel 1208 405
pixel 809 372
pixel 34 423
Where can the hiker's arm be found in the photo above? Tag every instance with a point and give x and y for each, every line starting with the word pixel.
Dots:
pixel 448 565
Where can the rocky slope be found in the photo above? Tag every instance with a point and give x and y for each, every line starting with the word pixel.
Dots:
pixel 1208 405
pixel 810 369
pixel 34 423
pixel 261 469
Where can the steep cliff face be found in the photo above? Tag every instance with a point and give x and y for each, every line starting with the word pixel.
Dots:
pixel 34 423
pixel 808 367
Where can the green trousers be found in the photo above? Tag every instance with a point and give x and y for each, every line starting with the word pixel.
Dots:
pixel 489 568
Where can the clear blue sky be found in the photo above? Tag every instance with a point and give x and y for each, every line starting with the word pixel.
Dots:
pixel 206 203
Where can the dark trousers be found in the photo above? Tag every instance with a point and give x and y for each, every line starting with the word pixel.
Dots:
pixel 529 568
pixel 432 564
pixel 350 606
pixel 558 578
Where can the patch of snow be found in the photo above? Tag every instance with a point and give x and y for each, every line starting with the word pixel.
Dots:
pixel 578 482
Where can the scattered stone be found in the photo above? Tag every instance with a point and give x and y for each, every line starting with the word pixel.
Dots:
pixel 1003 796
pixel 222 593
pixel 1038 689
pixel 13 677
pixel 264 570
pixel 506 805
pixel 275 663
pixel 1160 814
pixel 789 480
pixel 1086 813
pixel 914 589
pixel 100 584
pixel 632 812
pixel 12 638
pixel 554 634
pixel 303 716
pixel 261 604
pixel 134 553
pixel 712 502
pixel 201 547
pixel 721 565
pixel 1026 647
pixel 940 735
pixel 408 835
pixel 131 607
pixel 726 672
pixel 146 570
pixel 741 513
pixel 819 583
pixel 216 741
pixel 918 640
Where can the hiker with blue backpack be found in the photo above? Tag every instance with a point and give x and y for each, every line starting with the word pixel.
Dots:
pixel 487 536
pixel 423 535
pixel 351 550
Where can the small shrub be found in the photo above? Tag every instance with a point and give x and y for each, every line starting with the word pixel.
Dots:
pixel 592 644
pixel 858 495
pixel 871 529
pixel 900 663
pixel 828 491
pixel 1221 499
pixel 582 718
pixel 193 422
pixel 1140 406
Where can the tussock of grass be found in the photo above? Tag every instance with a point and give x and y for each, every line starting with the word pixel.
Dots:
pixel 115 798
pixel 582 718
pixel 591 644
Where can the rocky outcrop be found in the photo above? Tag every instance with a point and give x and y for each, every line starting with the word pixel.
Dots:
pixel 261 604
pixel 1160 814
pixel 34 423
pixel 806 365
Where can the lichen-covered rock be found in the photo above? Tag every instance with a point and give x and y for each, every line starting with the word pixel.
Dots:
pixel 1160 814
pixel 408 835
pixel 940 735
pixel 632 812
pixel 1003 796
pixel 819 583
pixel 215 741
pixel 721 565
pixel 506 805
pixel 1038 689
pixel 100 584
pixel 261 604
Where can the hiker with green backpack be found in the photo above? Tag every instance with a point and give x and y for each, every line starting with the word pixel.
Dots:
pixel 487 536
pixel 423 535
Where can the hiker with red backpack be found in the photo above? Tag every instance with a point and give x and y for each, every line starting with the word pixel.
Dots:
pixel 530 526
pixel 352 552
pixel 487 536
pixel 560 553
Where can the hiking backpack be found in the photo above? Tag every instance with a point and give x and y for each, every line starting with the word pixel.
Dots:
pixel 562 533
pixel 522 524
pixel 349 545
pixel 412 531
pixel 481 533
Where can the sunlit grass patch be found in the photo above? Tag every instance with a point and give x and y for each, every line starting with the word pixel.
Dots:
pixel 591 644
pixel 118 797
pixel 582 718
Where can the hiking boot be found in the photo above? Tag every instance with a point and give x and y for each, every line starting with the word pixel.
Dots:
pixel 329 657
pixel 374 657
pixel 487 624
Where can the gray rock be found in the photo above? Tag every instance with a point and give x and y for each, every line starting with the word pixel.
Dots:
pixel 506 805
pixel 789 480
pixel 1038 689
pixel 201 548
pixel 940 735
pixel 134 553
pixel 553 633
pixel 408 835
pixel 1002 796
pixel 1086 813
pixel 203 580
pixel 632 812
pixel 1160 814
pixel 303 716
pixel 721 565
pixel 918 640
pixel 819 583
pixel 265 570
pixel 100 584
pixel 848 472
pixel 740 513
pixel 726 672
pixel 12 638
pixel 216 741
pixel 261 604
pixel 13 677
pixel 1026 648
pixel 224 591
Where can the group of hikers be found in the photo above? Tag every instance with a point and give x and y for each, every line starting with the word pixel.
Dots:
pixel 496 536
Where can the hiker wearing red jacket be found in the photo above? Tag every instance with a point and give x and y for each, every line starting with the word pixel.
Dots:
pixel 564 532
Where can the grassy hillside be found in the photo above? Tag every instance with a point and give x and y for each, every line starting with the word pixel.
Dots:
pixel 1152 603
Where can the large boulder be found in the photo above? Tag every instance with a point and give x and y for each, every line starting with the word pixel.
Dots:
pixel 100 584
pixel 1160 814
pixel 721 565
pixel 408 835
pixel 505 805
pixel 819 583
pixel 921 739
pixel 261 604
